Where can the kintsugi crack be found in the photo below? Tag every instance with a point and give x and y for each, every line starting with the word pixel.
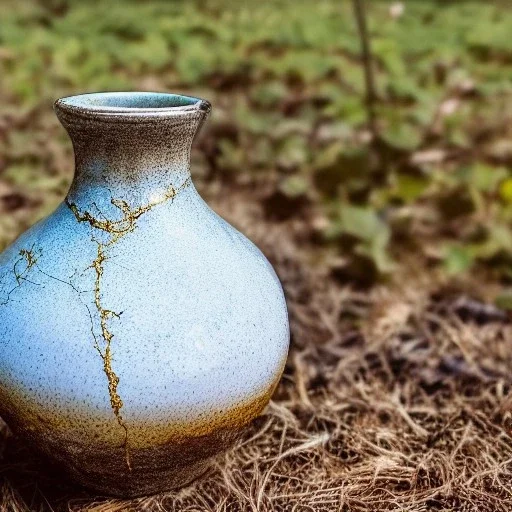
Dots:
pixel 30 258
pixel 116 229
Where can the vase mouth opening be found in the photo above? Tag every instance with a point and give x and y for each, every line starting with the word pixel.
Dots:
pixel 132 104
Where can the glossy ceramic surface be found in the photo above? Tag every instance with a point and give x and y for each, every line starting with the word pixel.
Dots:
pixel 139 332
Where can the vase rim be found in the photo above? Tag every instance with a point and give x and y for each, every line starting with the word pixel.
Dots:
pixel 132 104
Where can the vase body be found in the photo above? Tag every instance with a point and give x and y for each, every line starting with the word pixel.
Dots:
pixel 139 332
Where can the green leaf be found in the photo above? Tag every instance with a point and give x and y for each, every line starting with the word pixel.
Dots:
pixel 361 222
pixel 458 259
pixel 409 188
pixel 294 186
pixel 365 225
pixel 504 300
pixel 506 190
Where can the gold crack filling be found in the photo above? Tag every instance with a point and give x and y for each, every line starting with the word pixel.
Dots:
pixel 117 229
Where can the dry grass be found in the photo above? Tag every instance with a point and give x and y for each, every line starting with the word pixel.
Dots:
pixel 394 398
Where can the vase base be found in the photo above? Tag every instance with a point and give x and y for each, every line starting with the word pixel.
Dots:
pixel 155 457
pixel 152 470
pixel 139 485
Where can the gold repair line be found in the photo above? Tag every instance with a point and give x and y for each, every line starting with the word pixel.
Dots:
pixel 117 229
pixel 113 380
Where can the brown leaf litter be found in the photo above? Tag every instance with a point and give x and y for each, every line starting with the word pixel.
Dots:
pixel 397 397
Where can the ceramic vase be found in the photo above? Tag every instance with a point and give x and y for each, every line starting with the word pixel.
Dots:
pixel 139 332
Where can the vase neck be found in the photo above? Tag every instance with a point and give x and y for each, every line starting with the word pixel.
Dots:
pixel 130 147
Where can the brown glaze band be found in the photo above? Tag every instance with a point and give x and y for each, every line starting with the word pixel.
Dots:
pixel 164 455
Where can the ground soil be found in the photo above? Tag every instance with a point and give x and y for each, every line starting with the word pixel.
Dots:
pixel 394 397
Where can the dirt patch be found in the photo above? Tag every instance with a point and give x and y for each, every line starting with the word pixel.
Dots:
pixel 395 397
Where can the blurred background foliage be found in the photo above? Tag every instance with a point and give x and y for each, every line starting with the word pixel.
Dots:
pixel 433 180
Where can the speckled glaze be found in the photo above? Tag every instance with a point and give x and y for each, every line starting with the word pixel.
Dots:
pixel 139 332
